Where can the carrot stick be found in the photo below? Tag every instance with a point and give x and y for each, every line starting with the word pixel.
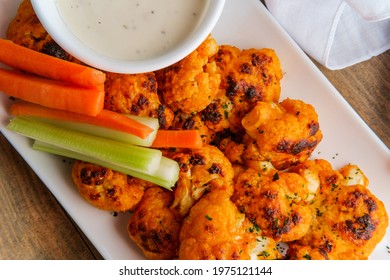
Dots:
pixel 52 94
pixel 105 118
pixel 31 61
pixel 177 139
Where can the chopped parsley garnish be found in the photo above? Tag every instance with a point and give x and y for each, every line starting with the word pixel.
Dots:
pixel 264 254
pixel 208 217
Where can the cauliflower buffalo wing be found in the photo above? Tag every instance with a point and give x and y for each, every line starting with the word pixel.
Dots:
pixel 348 220
pixel 247 77
pixel 274 201
pixel 26 30
pixel 201 170
pixel 107 189
pixel 216 230
pixel 189 85
pixel 154 227
pixel 284 133
pixel 136 94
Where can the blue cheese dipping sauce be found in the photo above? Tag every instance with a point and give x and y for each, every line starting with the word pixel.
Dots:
pixel 132 29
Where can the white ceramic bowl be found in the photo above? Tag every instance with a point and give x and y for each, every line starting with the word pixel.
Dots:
pixel 52 21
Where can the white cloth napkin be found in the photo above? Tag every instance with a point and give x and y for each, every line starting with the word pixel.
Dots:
pixel 336 33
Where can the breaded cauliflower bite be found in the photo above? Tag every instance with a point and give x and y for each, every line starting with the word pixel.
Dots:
pixel 189 85
pixel 107 189
pixel 274 201
pixel 26 30
pixel 216 230
pixel 284 133
pixel 136 94
pixel 247 77
pixel 201 170
pixel 154 227
pixel 349 220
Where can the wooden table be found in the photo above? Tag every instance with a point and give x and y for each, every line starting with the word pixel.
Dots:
pixel 33 225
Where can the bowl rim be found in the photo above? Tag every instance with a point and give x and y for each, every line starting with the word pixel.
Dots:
pixel 51 20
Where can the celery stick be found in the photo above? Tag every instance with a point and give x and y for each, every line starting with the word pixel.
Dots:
pixel 122 154
pixel 152 123
pixel 166 175
pixel 107 132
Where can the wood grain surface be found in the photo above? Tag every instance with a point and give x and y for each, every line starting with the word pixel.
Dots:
pixel 33 225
